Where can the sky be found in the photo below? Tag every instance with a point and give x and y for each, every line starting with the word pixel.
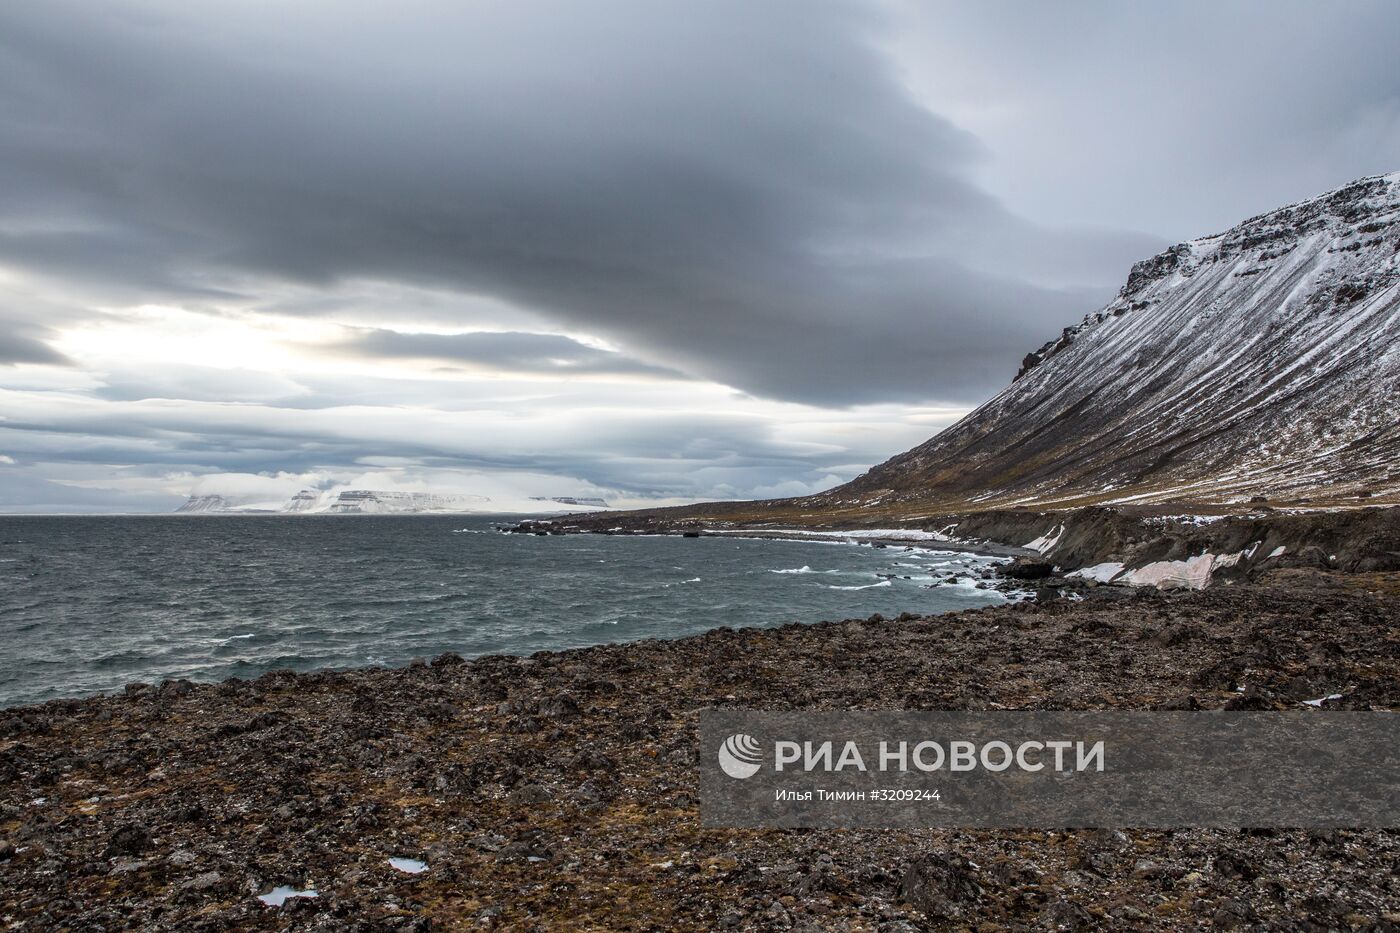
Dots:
pixel 651 251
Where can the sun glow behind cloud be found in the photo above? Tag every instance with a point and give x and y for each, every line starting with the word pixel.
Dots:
pixel 276 403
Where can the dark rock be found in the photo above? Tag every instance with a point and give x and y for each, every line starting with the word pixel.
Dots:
pixel 1067 915
pixel 933 881
pixel 1175 634
pixel 1232 914
pixel 1253 698
pixel 131 839
pixel 530 794
pixel 1027 568
pixel 560 706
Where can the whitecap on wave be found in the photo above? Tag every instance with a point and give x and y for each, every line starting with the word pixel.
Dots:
pixel 868 586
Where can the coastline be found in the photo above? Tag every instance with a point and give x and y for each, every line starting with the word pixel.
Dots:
pixel 1243 542
pixel 558 791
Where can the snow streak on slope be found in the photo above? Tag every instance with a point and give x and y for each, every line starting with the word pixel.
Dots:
pixel 1261 361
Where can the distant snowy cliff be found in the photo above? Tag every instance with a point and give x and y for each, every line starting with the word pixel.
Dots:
pixel 371 501
pixel 1263 361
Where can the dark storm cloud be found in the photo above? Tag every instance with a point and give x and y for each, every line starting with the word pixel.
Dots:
pixel 1180 118
pixel 22 340
pixel 17 347
pixel 744 192
pixel 505 351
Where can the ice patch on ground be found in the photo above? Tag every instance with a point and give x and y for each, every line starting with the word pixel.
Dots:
pixel 1192 574
pixel 1046 542
pixel 280 895
pixel 1100 573
pixel 1320 700
pixel 409 866
pixel 1163 520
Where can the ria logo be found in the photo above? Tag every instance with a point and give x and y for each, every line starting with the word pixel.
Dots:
pixel 740 756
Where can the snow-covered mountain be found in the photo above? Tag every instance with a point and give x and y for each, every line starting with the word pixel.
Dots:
pixel 344 501
pixel 1263 361
pixel 591 502
pixel 375 501
pixel 213 504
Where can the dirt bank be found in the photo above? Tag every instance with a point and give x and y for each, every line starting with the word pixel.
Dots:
pixel 1258 540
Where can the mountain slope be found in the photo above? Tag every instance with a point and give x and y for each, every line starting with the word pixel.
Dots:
pixel 1261 361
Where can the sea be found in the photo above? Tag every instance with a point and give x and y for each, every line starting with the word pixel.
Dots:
pixel 90 604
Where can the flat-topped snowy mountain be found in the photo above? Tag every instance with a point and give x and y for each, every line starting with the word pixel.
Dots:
pixel 1263 361
pixel 345 501
pixel 376 501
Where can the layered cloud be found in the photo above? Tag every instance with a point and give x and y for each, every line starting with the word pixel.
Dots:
pixel 745 193
pixel 503 351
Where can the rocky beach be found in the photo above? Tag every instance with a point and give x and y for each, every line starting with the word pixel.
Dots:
pixel 558 791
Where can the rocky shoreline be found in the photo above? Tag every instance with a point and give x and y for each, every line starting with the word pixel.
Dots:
pixel 1250 542
pixel 557 792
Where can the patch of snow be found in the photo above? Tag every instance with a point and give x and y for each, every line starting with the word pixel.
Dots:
pixel 280 895
pixel 1278 551
pixel 409 866
pixel 1046 542
pixel 1320 700
pixel 1192 574
pixel 1101 573
pixel 888 534
pixel 894 534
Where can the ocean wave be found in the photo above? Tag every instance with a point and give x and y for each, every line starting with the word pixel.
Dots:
pixel 868 586
pixel 240 637
pixel 803 569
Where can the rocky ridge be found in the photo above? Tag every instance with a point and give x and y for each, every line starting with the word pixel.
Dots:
pixel 1261 361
